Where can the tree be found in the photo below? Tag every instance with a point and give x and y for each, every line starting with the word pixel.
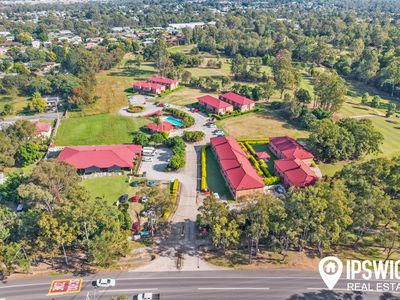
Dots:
pixel 330 142
pixel 268 88
pixel 391 109
pixel 7 109
pixel 367 140
pixel 24 38
pixel 368 66
pixel 37 103
pixel 391 74
pixel 365 98
pixel 21 69
pixel 329 89
pixel 28 153
pixel 186 75
pixel 161 56
pixel 140 139
pixel 303 96
pixel 376 101
pixel 157 138
pixel 284 74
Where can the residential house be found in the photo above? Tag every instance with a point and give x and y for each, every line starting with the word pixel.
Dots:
pixel 215 105
pixel 240 176
pixel 239 102
pixel 43 129
pixel 170 84
pixel 92 159
pixel 294 163
pixel 163 126
pixel 36 44
pixel 149 87
pixel 52 102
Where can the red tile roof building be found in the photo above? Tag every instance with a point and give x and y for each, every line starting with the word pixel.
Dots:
pixel 215 105
pixel 163 126
pixel 238 101
pixel 149 87
pixel 90 159
pixel 240 176
pixel 167 82
pixel 43 129
pixel 294 163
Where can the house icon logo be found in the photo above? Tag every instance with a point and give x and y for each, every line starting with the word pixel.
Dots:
pixel 330 269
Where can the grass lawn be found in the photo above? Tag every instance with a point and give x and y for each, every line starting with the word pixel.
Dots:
pixel 184 48
pixel 183 96
pixel 18 103
pixel 104 129
pixel 259 125
pixel 270 162
pixel 215 181
pixel 215 73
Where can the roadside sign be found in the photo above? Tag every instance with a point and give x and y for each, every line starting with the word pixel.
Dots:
pixel 65 286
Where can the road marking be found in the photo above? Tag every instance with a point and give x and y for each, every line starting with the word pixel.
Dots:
pixel 22 285
pixel 129 290
pixel 232 288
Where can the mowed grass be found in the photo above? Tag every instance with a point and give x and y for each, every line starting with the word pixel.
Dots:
pixel 216 183
pixel 259 125
pixel 184 48
pixel 104 129
pixel 184 96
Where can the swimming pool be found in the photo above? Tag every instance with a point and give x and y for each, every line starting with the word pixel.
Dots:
pixel 174 121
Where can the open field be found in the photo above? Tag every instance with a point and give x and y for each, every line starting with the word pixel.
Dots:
pixel 184 48
pixel 215 181
pixel 259 125
pixel 18 103
pixel 104 129
pixel 184 96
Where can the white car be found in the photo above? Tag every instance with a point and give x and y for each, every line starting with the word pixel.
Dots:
pixel 147 159
pixel 216 196
pixel 105 282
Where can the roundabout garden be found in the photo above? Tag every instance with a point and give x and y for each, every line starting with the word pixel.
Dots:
pixel 135 109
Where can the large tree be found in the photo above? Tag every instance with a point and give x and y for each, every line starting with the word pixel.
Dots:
pixel 330 90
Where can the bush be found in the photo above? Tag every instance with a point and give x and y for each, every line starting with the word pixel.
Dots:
pixel 178 153
pixel 271 180
pixel 135 109
pixel 250 148
pixel 234 114
pixel 193 136
pixel 254 141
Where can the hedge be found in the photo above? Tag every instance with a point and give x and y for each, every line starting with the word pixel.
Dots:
pixel 174 187
pixel 235 114
pixel 254 141
pixel 250 148
pixel 203 182
pixel 271 180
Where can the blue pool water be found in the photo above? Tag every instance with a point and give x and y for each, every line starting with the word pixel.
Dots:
pixel 174 121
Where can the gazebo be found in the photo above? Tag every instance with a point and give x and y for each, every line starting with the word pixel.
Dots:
pixel 263 155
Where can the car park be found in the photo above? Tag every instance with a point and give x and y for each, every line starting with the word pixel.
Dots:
pixel 105 282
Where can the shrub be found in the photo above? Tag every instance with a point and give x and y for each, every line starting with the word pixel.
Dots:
pixel 313 164
pixel 178 153
pixel 135 109
pixel 255 141
pixel 271 180
pixel 193 136
pixel 250 148
pixel 234 114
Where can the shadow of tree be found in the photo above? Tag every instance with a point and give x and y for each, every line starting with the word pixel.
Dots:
pixel 132 72
pixel 328 295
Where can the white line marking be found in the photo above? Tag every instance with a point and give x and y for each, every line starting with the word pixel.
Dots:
pixel 22 285
pixel 232 288
pixel 129 290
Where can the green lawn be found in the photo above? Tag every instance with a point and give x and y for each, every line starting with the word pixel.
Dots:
pixel 270 162
pixel 184 48
pixel 215 181
pixel 104 129
pixel 18 103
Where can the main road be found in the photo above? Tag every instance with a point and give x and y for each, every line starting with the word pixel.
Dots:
pixel 208 285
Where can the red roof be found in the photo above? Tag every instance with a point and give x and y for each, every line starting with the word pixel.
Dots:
pixel 239 99
pixel 163 80
pixel 82 157
pixel 147 85
pixel 263 155
pixel 41 127
pixel 297 173
pixel 239 171
pixel 289 148
pixel 163 126
pixel 214 102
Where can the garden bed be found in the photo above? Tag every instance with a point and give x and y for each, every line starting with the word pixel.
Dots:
pixel 134 109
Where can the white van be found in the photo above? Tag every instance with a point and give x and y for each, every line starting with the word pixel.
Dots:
pixel 149 152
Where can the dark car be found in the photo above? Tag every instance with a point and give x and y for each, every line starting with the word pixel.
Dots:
pixel 123 198
pixel 134 183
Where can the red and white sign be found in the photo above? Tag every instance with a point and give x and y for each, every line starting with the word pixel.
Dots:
pixel 65 286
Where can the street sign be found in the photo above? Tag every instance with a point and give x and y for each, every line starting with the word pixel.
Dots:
pixel 65 286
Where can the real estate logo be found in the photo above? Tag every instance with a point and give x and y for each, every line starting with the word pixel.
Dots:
pixel 330 269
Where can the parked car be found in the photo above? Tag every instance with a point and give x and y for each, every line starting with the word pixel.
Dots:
pixel 148 296
pixel 20 208
pixel 195 110
pixel 135 198
pixel 123 198
pixel 134 183
pixel 219 134
pixel 160 104
pixel 167 105
pixel 144 199
pixel 135 227
pixel 216 196
pixel 105 282
pixel 147 159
